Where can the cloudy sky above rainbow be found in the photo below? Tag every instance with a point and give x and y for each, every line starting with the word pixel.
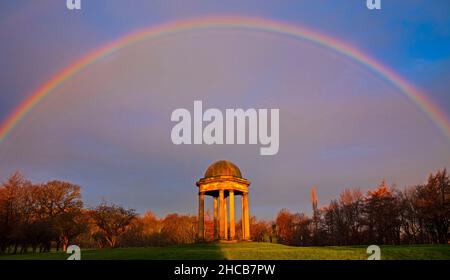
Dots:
pixel 86 95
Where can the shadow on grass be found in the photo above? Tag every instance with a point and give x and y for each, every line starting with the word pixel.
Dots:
pixel 247 251
pixel 207 251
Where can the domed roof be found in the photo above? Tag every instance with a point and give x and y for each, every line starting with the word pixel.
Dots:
pixel 223 168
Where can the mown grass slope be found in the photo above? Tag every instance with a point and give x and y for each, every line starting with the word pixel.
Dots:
pixel 249 251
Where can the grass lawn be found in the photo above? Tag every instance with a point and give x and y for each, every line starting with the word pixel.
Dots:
pixel 249 251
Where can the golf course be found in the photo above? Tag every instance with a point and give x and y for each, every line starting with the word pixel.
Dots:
pixel 247 251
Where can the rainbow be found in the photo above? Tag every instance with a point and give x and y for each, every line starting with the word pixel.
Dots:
pixel 246 23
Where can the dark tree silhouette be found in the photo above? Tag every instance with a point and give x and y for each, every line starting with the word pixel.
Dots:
pixel 111 220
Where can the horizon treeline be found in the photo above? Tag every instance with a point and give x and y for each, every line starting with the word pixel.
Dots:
pixel 39 217
pixel 384 216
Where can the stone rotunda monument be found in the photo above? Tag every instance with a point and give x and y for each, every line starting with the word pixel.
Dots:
pixel 223 181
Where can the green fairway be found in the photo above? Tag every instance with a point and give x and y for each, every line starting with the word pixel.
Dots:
pixel 249 251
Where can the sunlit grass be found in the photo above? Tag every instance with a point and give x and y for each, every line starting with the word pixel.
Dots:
pixel 250 251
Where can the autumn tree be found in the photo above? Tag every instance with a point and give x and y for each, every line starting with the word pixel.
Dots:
pixel 13 211
pixel 261 230
pixel 60 202
pixel 178 229
pixel 68 225
pixel 285 226
pixel 410 222
pixel 293 228
pixel 382 215
pixel 433 206
pixel 302 230
pixel 352 205
pixel 152 229
pixel 134 235
pixel 111 221
pixel 334 223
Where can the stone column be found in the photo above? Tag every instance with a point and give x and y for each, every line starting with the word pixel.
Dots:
pixel 243 216
pixel 201 216
pixel 232 224
pixel 216 214
pixel 226 220
pixel 247 217
pixel 221 215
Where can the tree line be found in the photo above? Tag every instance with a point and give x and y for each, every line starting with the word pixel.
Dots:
pixel 39 217
pixel 385 215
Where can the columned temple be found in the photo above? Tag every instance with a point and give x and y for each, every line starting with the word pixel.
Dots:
pixel 223 181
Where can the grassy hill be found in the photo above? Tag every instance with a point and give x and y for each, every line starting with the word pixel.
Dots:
pixel 249 251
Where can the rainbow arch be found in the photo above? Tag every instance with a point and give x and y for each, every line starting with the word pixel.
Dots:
pixel 257 24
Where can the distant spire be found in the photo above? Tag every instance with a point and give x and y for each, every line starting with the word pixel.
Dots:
pixel 314 198
pixel 314 201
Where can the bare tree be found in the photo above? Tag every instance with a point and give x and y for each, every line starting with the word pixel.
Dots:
pixel 112 221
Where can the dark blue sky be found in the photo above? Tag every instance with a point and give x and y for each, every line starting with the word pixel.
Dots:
pixel 39 38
